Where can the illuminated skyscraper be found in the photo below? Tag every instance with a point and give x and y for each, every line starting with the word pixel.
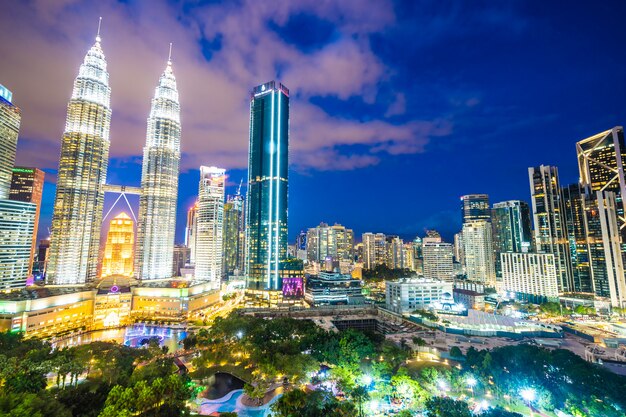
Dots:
pixel 210 225
pixel 374 249
pixel 191 231
pixel 549 217
pixel 10 118
pixel 512 230
pixel 159 182
pixel 75 235
pixel 118 251
pixel 575 200
pixel 27 186
pixel 478 248
pixel 234 234
pixel 17 220
pixel 266 208
pixel 475 207
pixel 326 241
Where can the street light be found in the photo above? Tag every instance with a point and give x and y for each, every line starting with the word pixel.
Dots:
pixel 528 394
pixel 367 380
pixel 471 381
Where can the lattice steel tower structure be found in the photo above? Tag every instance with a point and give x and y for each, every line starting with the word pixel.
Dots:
pixel 75 235
pixel 159 182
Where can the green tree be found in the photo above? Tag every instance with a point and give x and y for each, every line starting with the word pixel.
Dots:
pixel 360 395
pixel 447 407
pixel 455 352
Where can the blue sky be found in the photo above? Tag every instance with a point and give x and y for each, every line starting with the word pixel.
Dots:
pixel 397 108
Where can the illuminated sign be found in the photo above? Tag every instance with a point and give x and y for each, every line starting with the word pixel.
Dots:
pixel 5 93
pixel 293 287
pixel 23 170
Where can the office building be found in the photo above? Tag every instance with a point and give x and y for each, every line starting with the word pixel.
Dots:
pixel 181 260
pixel 234 234
pixel 268 178
pixel 605 252
pixel 409 294
pixel 374 249
pixel 432 236
pixel 42 259
pixel 438 264
pixel 191 231
pixel 333 288
pixel 549 218
pixel 27 186
pixel 475 207
pixel 575 199
pixel 325 242
pixel 10 118
pixel 77 218
pixel 512 230
pixel 479 256
pixel 159 182
pixel 118 256
pixel 17 223
pixel 210 225
pixel 531 276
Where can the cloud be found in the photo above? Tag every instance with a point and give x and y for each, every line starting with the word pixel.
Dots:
pixel 41 60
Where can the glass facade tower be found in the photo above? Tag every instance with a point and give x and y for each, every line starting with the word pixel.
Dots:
pixel 266 208
pixel 75 234
pixel 475 207
pixel 512 231
pixel 10 118
pixel 159 183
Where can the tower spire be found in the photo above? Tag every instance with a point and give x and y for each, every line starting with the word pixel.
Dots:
pixel 98 34
pixel 169 57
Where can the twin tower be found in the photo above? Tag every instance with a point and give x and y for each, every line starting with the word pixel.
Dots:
pixel 77 218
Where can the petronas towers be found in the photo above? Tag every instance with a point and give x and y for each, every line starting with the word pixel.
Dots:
pixel 77 218
pixel 159 182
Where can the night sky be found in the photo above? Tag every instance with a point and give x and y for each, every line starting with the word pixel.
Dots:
pixel 397 108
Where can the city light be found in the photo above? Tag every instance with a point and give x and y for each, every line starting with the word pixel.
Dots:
pixel 471 381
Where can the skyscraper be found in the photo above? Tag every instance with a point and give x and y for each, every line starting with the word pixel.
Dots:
pixel 438 261
pixel 475 207
pixel 75 235
pixel 234 233
pixel 159 182
pixel 266 208
pixel 27 186
pixel 395 255
pixel 17 221
pixel 512 230
pixel 10 118
pixel 191 231
pixel 374 249
pixel 548 215
pixel 118 251
pixel 335 242
pixel 479 256
pixel 210 225
pixel 575 198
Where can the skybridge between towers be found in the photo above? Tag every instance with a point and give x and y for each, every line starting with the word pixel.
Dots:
pixel 122 190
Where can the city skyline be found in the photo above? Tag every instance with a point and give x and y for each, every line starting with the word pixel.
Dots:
pixel 481 133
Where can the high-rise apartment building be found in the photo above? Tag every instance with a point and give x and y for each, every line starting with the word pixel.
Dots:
pixel 159 182
pixel 475 207
pixel 191 231
pixel 395 255
pixel 374 249
pixel 438 263
pixel 479 255
pixel 549 218
pixel 10 118
pixel 27 186
pixel 234 234
pixel 118 251
pixel 329 242
pixel 77 218
pixel 459 254
pixel 17 222
pixel 532 276
pixel 268 179
pixel 575 198
pixel 512 230
pixel 210 225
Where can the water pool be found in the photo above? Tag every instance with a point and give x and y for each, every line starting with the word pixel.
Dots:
pixel 232 402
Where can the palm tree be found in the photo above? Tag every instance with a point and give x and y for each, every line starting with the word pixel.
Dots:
pixel 360 395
